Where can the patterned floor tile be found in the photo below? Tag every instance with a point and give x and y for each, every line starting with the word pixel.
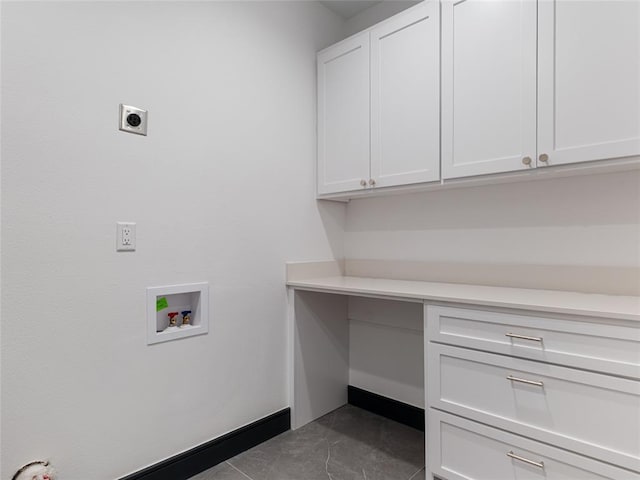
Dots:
pixel 347 444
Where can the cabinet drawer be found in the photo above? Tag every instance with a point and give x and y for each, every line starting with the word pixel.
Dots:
pixel 459 449
pixel 590 413
pixel 607 346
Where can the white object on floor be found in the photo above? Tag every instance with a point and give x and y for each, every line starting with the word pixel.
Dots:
pixel 39 470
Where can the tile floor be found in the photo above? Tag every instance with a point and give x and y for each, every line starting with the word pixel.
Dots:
pixel 347 444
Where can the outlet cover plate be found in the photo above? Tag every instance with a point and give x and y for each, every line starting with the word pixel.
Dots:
pixel 140 126
pixel 125 236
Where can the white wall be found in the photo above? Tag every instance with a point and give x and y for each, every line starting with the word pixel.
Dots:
pixel 375 14
pixel 588 220
pixel 386 346
pixel 222 190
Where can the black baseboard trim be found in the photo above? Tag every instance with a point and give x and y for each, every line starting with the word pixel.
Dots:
pixel 207 455
pixel 387 407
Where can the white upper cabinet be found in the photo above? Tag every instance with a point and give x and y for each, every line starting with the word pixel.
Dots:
pixel 343 115
pixel 505 110
pixel 379 105
pixel 462 88
pixel 405 98
pixel 488 86
pixel 588 80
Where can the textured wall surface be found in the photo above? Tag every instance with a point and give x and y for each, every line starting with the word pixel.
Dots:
pixel 222 190
pixel 586 220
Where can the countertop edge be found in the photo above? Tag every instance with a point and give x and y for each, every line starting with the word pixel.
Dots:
pixel 406 290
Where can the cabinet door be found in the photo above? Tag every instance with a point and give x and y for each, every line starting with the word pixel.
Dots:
pixel 343 115
pixel 405 98
pixel 589 80
pixel 488 86
pixel 459 449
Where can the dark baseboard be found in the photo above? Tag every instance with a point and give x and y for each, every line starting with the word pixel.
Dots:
pixel 387 407
pixel 207 455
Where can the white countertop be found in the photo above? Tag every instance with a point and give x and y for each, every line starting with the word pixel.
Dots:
pixel 585 304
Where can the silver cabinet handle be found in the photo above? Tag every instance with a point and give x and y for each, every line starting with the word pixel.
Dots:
pixel 523 337
pixel 372 182
pixel 363 183
pixel 527 161
pixel 525 460
pixel 544 158
pixel 522 380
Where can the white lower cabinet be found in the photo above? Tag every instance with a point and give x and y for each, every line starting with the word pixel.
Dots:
pixel 460 449
pixel 563 406
pixel 604 346
pixel 513 396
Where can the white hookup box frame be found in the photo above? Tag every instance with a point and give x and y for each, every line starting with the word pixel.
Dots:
pixel 188 296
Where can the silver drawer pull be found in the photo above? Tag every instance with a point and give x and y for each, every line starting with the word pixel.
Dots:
pixel 525 460
pixel 523 337
pixel 522 380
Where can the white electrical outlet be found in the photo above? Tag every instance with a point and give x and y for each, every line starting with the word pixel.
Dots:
pixel 125 236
